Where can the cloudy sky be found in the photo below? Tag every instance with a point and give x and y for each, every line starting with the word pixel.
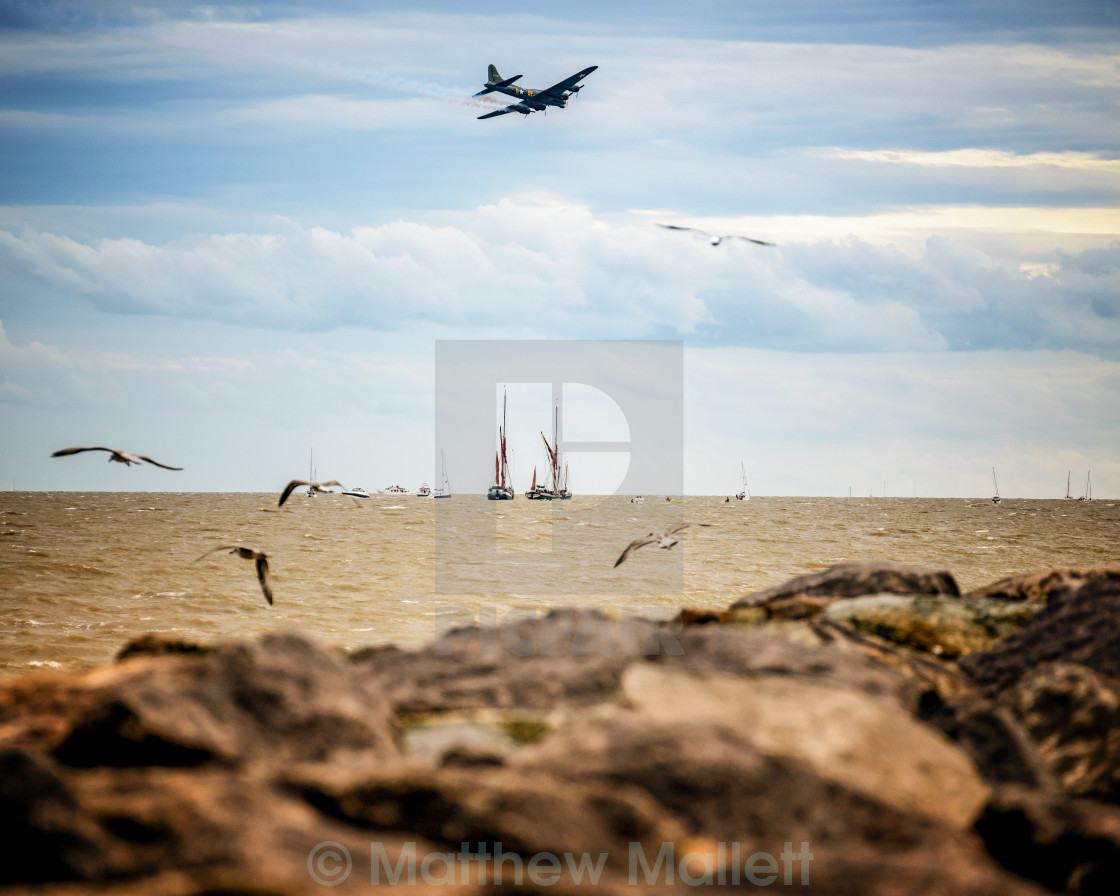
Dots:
pixel 230 234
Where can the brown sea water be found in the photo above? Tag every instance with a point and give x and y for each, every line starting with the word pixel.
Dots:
pixel 81 574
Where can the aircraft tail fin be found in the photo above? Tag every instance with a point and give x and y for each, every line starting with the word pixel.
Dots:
pixel 496 82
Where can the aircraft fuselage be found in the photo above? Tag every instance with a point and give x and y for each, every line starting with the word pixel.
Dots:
pixel 538 99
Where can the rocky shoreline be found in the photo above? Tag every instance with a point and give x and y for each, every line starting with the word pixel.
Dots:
pixel 863 730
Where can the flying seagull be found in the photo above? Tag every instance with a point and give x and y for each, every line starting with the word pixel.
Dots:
pixel 314 486
pixel 248 554
pixel 664 541
pixel 714 238
pixel 121 457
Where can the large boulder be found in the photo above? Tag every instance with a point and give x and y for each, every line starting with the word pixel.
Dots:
pixel 278 699
pixel 1077 625
pixel 948 627
pixel 1068 846
pixel 809 594
pixel 866 743
pixel 1039 586
pixel 1073 714
pixel 725 789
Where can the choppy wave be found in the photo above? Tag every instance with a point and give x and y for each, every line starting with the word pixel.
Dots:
pixel 354 579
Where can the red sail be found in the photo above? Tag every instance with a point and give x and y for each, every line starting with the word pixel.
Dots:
pixel 553 463
pixel 505 463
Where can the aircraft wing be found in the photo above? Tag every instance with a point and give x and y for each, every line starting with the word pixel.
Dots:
pixel 557 90
pixel 516 107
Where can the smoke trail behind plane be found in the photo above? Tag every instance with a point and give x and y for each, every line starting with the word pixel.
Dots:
pixel 401 85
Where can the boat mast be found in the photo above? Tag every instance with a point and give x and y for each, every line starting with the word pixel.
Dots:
pixel 556 448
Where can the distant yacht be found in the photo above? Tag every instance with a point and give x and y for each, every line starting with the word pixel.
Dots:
pixel 559 490
pixel 745 494
pixel 995 498
pixel 444 491
pixel 394 490
pixel 502 489
pixel 1088 496
pixel 538 492
pixel 425 491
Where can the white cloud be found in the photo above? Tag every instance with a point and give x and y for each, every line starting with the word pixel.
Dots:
pixel 979 157
pixel 678 87
pixel 549 267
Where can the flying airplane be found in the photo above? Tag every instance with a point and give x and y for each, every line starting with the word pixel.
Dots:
pixel 531 100
pixel 716 238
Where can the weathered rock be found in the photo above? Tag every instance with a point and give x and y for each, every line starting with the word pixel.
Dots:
pixel 563 658
pixel 568 659
pixel 201 830
pixel 729 650
pixel 280 698
pixel 522 813
pixel 1069 846
pixel 992 736
pixel 810 593
pixel 695 616
pixel 786 606
pixel 726 790
pixel 926 672
pixel 831 729
pixel 38 711
pixel 47 835
pixel 949 627
pixel 153 644
pixel 500 732
pixel 1073 714
pixel 1079 625
pixel 1039 586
